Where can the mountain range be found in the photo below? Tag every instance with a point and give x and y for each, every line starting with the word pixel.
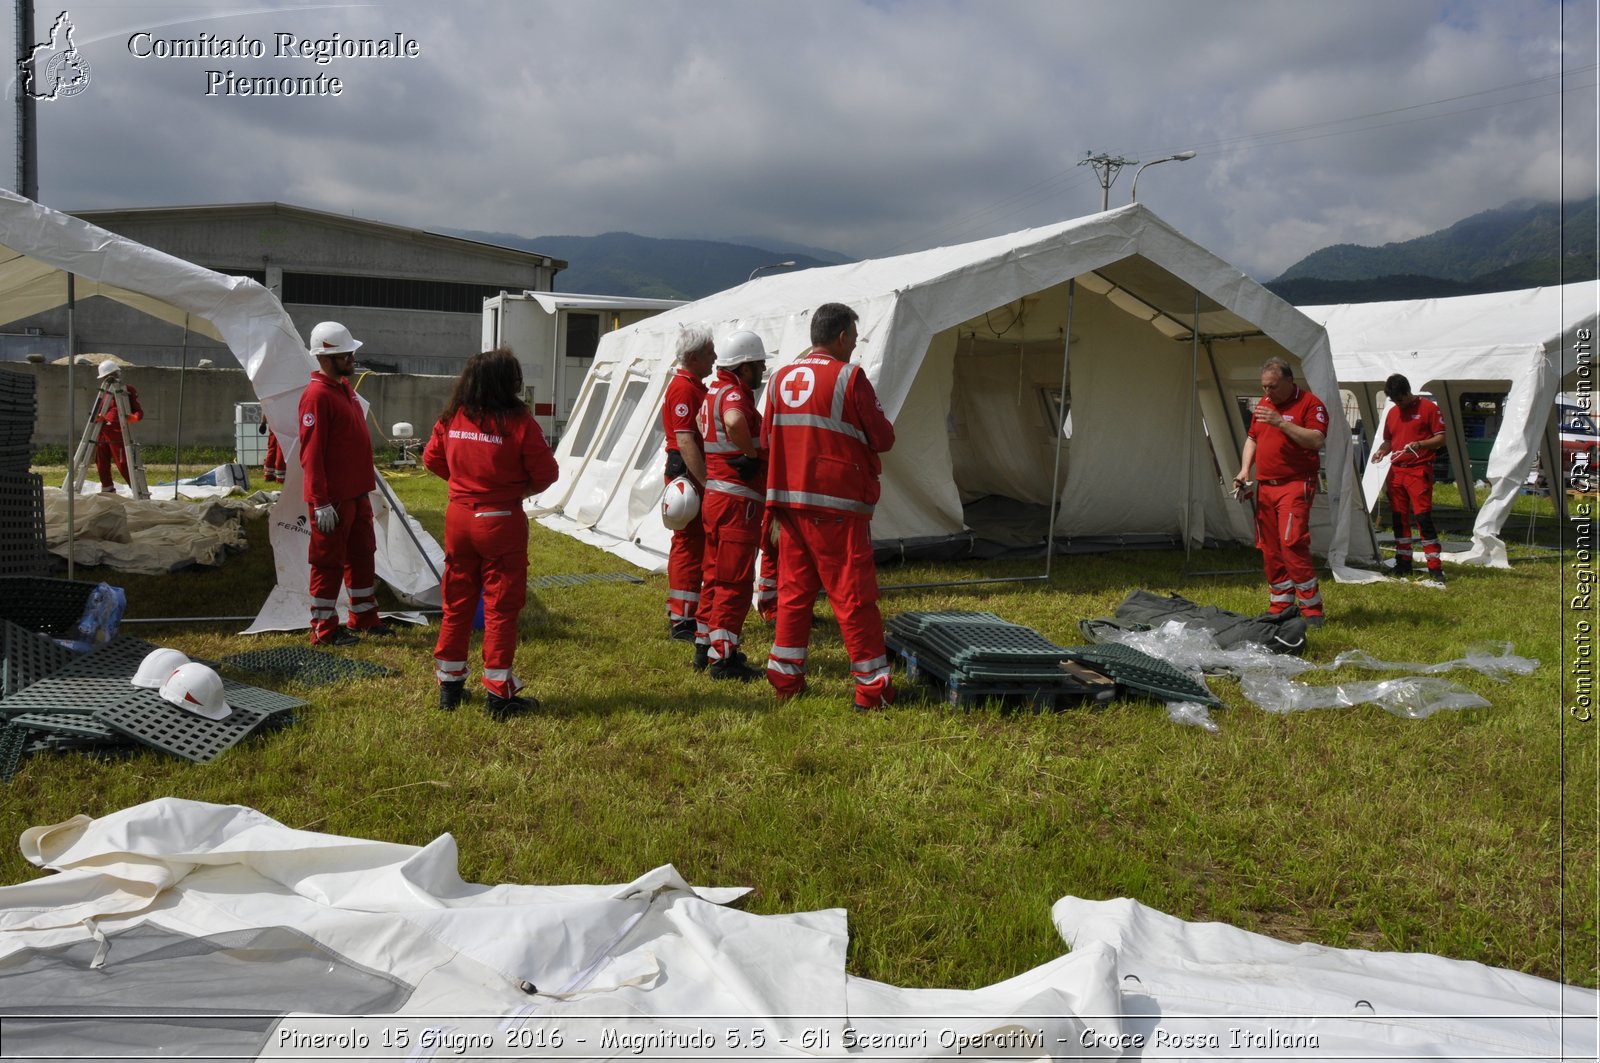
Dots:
pixel 1523 244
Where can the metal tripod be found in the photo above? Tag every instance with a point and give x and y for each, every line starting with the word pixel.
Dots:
pixel 91 436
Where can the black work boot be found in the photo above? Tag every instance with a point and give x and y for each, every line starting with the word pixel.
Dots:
pixel 500 708
pixel 702 656
pixel 683 630
pixel 736 667
pixel 450 694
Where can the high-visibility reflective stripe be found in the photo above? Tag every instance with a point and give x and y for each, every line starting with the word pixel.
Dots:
pixel 1402 542
pixel 729 487
pixel 1281 599
pixel 808 498
pixel 789 653
pixel 449 671
pixel 362 607
pixel 722 634
pixel 494 513
pixel 785 668
pixel 1309 584
pixel 872 678
pixel 1283 585
pixel 362 592
pixel 827 424
pixel 684 596
pixel 722 448
pixel 881 661
pixel 1427 543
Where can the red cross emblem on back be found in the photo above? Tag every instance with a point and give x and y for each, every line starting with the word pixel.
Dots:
pixel 797 387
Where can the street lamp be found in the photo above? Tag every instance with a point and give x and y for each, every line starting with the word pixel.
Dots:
pixel 769 265
pixel 1182 156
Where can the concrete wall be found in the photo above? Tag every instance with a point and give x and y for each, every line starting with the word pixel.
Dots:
pixel 208 402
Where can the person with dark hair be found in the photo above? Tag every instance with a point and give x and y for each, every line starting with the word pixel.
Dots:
pixel 336 457
pixel 273 467
pixel 491 450
pixel 823 431
pixel 686 390
pixel 1413 430
pixel 1287 429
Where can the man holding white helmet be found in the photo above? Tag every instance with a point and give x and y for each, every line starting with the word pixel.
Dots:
pixel 685 391
pixel 735 499
pixel 336 455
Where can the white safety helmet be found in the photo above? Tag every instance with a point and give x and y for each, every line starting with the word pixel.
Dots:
pixel 681 504
pixel 157 667
pixel 739 348
pixel 330 337
pixel 107 367
pixel 197 688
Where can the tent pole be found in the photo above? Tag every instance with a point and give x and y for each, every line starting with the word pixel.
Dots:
pixel 405 521
pixel 1188 431
pixel 1061 434
pixel 72 414
pixel 177 438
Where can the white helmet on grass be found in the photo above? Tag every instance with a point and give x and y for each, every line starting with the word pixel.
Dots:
pixel 197 688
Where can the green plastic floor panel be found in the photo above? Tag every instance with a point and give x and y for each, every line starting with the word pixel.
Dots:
pixel 67 724
pixel 301 664
pixel 28 657
pixel 914 624
pixel 575 579
pixel 1142 672
pixel 147 718
pixel 13 743
pixel 117 659
pixel 63 694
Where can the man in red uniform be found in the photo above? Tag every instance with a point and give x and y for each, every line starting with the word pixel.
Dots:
pixel 685 392
pixel 1413 430
pixel 273 469
pixel 487 444
pixel 110 446
pixel 336 455
pixel 734 500
pixel 823 433
pixel 1286 432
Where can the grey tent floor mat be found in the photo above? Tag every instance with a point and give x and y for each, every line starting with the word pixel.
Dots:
pixel 302 664
pixel 577 579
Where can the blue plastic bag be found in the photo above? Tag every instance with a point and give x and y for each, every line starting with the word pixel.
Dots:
pixel 98 624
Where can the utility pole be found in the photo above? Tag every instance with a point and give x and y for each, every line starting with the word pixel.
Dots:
pixel 1106 168
pixel 27 132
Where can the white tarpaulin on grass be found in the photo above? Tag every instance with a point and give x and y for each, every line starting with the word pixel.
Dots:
pixel 965 346
pixel 40 247
pixel 180 928
pixel 1527 345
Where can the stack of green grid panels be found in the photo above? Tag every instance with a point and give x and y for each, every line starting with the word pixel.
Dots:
pixel 21 491
pixel 974 657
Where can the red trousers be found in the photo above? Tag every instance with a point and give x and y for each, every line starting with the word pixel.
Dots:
pixel 1410 490
pixel 733 535
pixel 485 553
pixel 819 552
pixel 345 555
pixel 272 466
pixel 110 449
pixel 1283 533
pixel 684 564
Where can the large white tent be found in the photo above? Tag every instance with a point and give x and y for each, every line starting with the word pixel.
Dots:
pixel 176 928
pixel 49 259
pixel 1526 344
pixel 1156 339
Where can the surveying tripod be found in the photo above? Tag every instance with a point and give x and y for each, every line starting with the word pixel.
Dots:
pixel 118 394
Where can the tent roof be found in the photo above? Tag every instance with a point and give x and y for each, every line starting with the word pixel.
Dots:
pixel 1486 336
pixel 553 301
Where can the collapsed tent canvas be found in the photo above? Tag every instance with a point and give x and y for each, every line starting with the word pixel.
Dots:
pixel 1159 341
pixel 183 928
pixel 1525 345
pixel 40 248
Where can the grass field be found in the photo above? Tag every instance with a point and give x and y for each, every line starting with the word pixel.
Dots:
pixel 947 835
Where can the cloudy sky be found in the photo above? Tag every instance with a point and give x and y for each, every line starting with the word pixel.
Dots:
pixel 870 127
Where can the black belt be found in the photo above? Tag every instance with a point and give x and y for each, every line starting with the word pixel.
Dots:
pixel 1280 483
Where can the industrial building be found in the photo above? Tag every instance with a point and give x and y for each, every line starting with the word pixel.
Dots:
pixel 414 298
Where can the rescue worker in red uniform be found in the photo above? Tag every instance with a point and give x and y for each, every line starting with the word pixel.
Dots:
pixel 487 444
pixel 1413 430
pixel 1287 430
pixel 823 432
pixel 685 391
pixel 273 467
pixel 734 502
pixel 110 447
pixel 336 457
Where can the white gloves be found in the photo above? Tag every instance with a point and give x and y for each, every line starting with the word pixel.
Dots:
pixel 327 519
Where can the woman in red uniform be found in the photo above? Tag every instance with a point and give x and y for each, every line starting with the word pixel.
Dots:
pixel 487 444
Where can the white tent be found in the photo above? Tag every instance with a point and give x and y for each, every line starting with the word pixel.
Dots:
pixel 176 928
pixel 1526 344
pixel 42 251
pixel 1156 339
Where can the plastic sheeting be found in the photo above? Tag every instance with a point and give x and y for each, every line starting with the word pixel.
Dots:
pixel 149 536
pixel 658 967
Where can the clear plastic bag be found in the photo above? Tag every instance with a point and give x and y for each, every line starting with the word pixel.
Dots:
pixel 1410 697
pixel 1191 714
pixel 1195 650
pixel 1493 659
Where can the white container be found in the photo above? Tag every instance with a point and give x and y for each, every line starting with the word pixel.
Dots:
pixel 249 442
